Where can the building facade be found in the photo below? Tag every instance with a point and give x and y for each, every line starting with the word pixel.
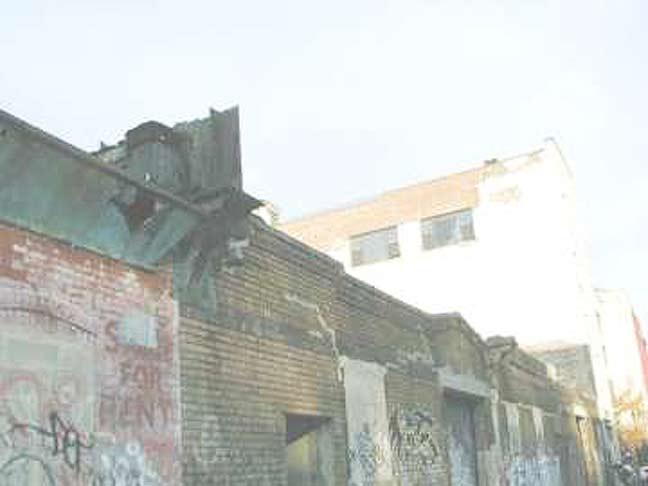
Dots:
pixel 157 334
pixel 625 344
pixel 89 373
pixel 299 374
pixel 501 244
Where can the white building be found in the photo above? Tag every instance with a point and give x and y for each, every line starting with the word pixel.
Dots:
pixel 500 243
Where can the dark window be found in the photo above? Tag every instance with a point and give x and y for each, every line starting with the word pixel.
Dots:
pixel 375 246
pixel 447 229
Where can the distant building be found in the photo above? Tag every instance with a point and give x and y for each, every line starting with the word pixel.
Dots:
pixel 500 243
pixel 625 344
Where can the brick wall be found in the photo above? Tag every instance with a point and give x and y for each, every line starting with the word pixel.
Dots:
pixel 416 430
pixel 270 339
pixel 88 368
pixel 458 347
pixel 271 343
pixel 250 357
pixel 573 365
pixel 547 434
pixel 522 379
pixel 236 388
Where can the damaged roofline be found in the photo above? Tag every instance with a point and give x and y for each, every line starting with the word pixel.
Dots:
pixel 93 163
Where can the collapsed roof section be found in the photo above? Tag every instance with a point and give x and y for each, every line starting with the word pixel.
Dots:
pixel 163 194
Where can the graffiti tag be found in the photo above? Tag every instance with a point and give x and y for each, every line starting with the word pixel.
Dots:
pixel 64 440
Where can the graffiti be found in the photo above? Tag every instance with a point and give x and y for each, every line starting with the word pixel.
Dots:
pixel 140 399
pixel 37 454
pixel 412 438
pixel 367 453
pixel 25 469
pixel 123 466
pixel 48 399
pixel 87 385
pixel 137 410
pixel 64 440
pixel 138 395
pixel 27 303
pixel 533 471
pixel 104 465
pixel 143 376
pixel 38 376
pixel 46 404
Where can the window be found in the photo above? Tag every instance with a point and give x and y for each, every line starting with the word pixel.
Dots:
pixel 448 229
pixel 375 246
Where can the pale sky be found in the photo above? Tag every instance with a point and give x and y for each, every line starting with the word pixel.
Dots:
pixel 343 99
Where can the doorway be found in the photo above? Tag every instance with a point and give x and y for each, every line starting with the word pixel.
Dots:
pixel 309 450
pixel 459 418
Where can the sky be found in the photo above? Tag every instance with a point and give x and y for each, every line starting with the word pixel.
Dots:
pixel 343 99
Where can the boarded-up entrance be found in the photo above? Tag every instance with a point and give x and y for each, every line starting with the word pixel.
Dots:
pixel 459 420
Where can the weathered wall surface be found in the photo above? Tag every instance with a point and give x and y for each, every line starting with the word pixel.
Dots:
pixel 547 435
pixel 529 412
pixel 394 396
pixel 237 387
pixel 289 335
pixel 370 454
pixel 292 372
pixel 88 368
pixel 250 356
pixel 573 365
pixel 416 430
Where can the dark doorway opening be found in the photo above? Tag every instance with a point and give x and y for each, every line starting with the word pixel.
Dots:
pixel 459 416
pixel 309 450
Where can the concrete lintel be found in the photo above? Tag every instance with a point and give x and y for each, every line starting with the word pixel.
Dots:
pixel 464 384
